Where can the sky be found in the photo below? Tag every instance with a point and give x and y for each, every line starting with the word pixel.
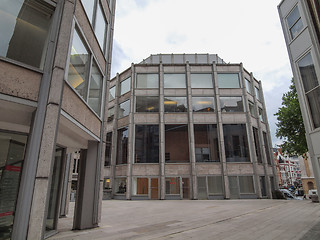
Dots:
pixel 247 31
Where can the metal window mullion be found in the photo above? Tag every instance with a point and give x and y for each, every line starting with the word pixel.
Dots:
pixel 94 14
pixel 88 78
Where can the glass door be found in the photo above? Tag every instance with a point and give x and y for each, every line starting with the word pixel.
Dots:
pixel 154 188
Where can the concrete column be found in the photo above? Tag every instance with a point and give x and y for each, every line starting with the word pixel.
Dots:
pixel 192 154
pixel 87 185
pixel 162 150
pixel 252 147
pixel 114 137
pixel 131 136
pixel 223 161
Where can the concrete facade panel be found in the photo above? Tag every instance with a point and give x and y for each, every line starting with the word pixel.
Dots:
pixel 145 170
pixel 175 92
pixel 230 92
pixel 228 68
pixel 174 69
pixel 146 69
pixel 176 118
pixel 239 168
pixel 202 92
pixel 151 118
pixel 205 118
pixel 200 69
pixel 123 122
pixel 300 44
pixel 107 171
pixel 19 82
pixel 74 106
pixel 177 169
pixel 146 92
pixel 208 169
pixel 233 118
pixel 260 169
pixel 121 170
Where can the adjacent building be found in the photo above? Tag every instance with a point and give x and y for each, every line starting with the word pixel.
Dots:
pixel 54 64
pixel 187 126
pixel 300 21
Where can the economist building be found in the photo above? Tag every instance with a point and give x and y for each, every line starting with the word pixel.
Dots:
pixel 54 65
pixel 187 126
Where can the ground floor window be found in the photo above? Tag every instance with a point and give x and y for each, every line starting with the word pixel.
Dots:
pixel 141 186
pixel 240 185
pixel 209 186
pixel 173 185
pixel 12 153
pixel 120 185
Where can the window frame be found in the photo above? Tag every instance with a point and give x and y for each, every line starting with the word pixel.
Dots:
pixel 294 23
pixel 229 73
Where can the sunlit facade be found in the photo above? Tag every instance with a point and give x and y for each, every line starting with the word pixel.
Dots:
pixel 54 65
pixel 187 126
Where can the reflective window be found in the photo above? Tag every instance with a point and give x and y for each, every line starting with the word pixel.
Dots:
pixel 120 185
pixel 215 185
pixel 12 152
pixel 203 104
pixel 88 7
pixel 257 93
pixel 176 143
pixel 125 86
pixel 246 184
pixel 124 109
pixel 122 146
pixel 172 185
pixel 261 115
pixel 236 143
pixel 249 86
pixel 202 188
pixel 112 93
pixel 175 104
pixel 24 27
pixel 140 186
pixel 174 80
pixel 266 146
pixel 201 80
pixel 231 104
pixel 107 160
pixel 206 142
pixel 100 26
pixel 110 114
pixel 147 144
pixel 228 80
pixel 95 90
pixel 252 109
pixel 257 144
pixel 147 104
pixel 314 104
pixel 294 23
pixel 145 80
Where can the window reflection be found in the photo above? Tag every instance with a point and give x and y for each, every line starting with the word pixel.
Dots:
pixel 100 26
pixel 124 109
pixel 112 93
pixel 110 114
pixel 228 80
pixel 125 86
pixel 201 80
pixel 147 104
pixel 176 143
pixel 174 80
pixel 147 80
pixel 172 185
pixel 147 144
pixel 231 104
pixel 175 104
pixel 122 146
pixel 95 91
pixel 203 104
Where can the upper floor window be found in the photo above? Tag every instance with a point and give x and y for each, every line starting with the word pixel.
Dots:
pixel 124 109
pixel 228 80
pixel 249 86
pixel 203 104
pixel 294 22
pixel 174 80
pixel 257 93
pixel 147 80
pixel 147 104
pixel 84 74
pixel 231 104
pixel 201 80
pixel 112 93
pixel 24 27
pixel 125 86
pixel 175 104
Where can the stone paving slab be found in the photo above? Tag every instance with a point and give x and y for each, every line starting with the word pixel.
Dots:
pixel 210 219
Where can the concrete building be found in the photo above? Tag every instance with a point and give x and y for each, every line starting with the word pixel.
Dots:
pixel 54 64
pixel 187 126
pixel 300 21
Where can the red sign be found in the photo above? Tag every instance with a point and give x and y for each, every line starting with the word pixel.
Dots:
pixel 6 214
pixel 12 168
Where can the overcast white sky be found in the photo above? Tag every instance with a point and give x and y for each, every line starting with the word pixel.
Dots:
pixel 247 31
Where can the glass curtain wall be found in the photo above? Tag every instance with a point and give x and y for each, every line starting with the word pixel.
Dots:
pixel 12 153
pixel 206 142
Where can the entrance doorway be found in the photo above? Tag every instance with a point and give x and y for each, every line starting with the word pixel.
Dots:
pixel 154 188
pixel 185 188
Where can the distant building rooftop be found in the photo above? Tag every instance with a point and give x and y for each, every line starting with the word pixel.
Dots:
pixel 182 58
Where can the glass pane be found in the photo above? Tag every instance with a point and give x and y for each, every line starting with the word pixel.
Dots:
pixel 257 93
pixel 176 143
pixel 228 80
pixel 79 66
pixel 112 93
pixel 107 161
pixel 12 150
pixel 293 17
pixel 175 104
pixel 308 73
pixel 296 29
pixel 201 80
pixel 147 144
pixel 24 27
pixel 147 104
pixel 252 109
pixel 120 185
pixel 125 86
pixel 110 114
pixel 203 104
pixel 206 143
pixel 261 115
pixel 248 86
pixel 174 80
pixel 246 184
pixel 172 185
pixel 257 144
pixel 263 186
pixel 122 146
pixel 101 26
pixel 147 81
pixel 231 104
pixel 95 90
pixel 88 7
pixel 124 109
pixel 202 188
pixel 314 104
pixel 233 186
pixel 266 145
pixel 236 143
pixel 141 186
pixel 215 185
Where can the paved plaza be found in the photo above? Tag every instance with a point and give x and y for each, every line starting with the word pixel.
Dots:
pixel 189 219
